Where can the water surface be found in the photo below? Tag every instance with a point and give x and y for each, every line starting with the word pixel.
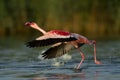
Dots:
pixel 17 62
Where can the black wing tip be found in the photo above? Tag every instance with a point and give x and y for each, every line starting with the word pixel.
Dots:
pixel 31 44
pixel 45 56
pixel 28 45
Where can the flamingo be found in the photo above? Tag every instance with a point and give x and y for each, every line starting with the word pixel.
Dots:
pixel 61 41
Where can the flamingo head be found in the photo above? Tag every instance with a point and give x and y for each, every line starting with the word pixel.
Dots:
pixel 32 24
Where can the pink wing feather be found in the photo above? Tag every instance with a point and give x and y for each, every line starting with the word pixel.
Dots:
pixel 55 34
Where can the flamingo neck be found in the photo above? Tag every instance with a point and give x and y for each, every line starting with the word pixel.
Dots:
pixel 39 29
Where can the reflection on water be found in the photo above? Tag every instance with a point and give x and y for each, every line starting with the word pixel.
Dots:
pixel 17 62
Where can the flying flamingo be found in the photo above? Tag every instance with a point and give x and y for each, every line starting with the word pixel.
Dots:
pixel 61 41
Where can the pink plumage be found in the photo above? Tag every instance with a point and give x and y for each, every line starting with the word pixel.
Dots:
pixel 60 32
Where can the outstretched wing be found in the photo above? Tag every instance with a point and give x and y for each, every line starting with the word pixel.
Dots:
pixel 51 37
pixel 48 41
pixel 58 50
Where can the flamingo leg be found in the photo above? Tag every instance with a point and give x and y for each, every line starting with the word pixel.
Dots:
pixel 83 57
pixel 95 59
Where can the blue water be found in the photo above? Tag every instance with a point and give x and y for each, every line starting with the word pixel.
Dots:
pixel 17 62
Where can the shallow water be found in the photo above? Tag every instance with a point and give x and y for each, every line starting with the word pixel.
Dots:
pixel 17 62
